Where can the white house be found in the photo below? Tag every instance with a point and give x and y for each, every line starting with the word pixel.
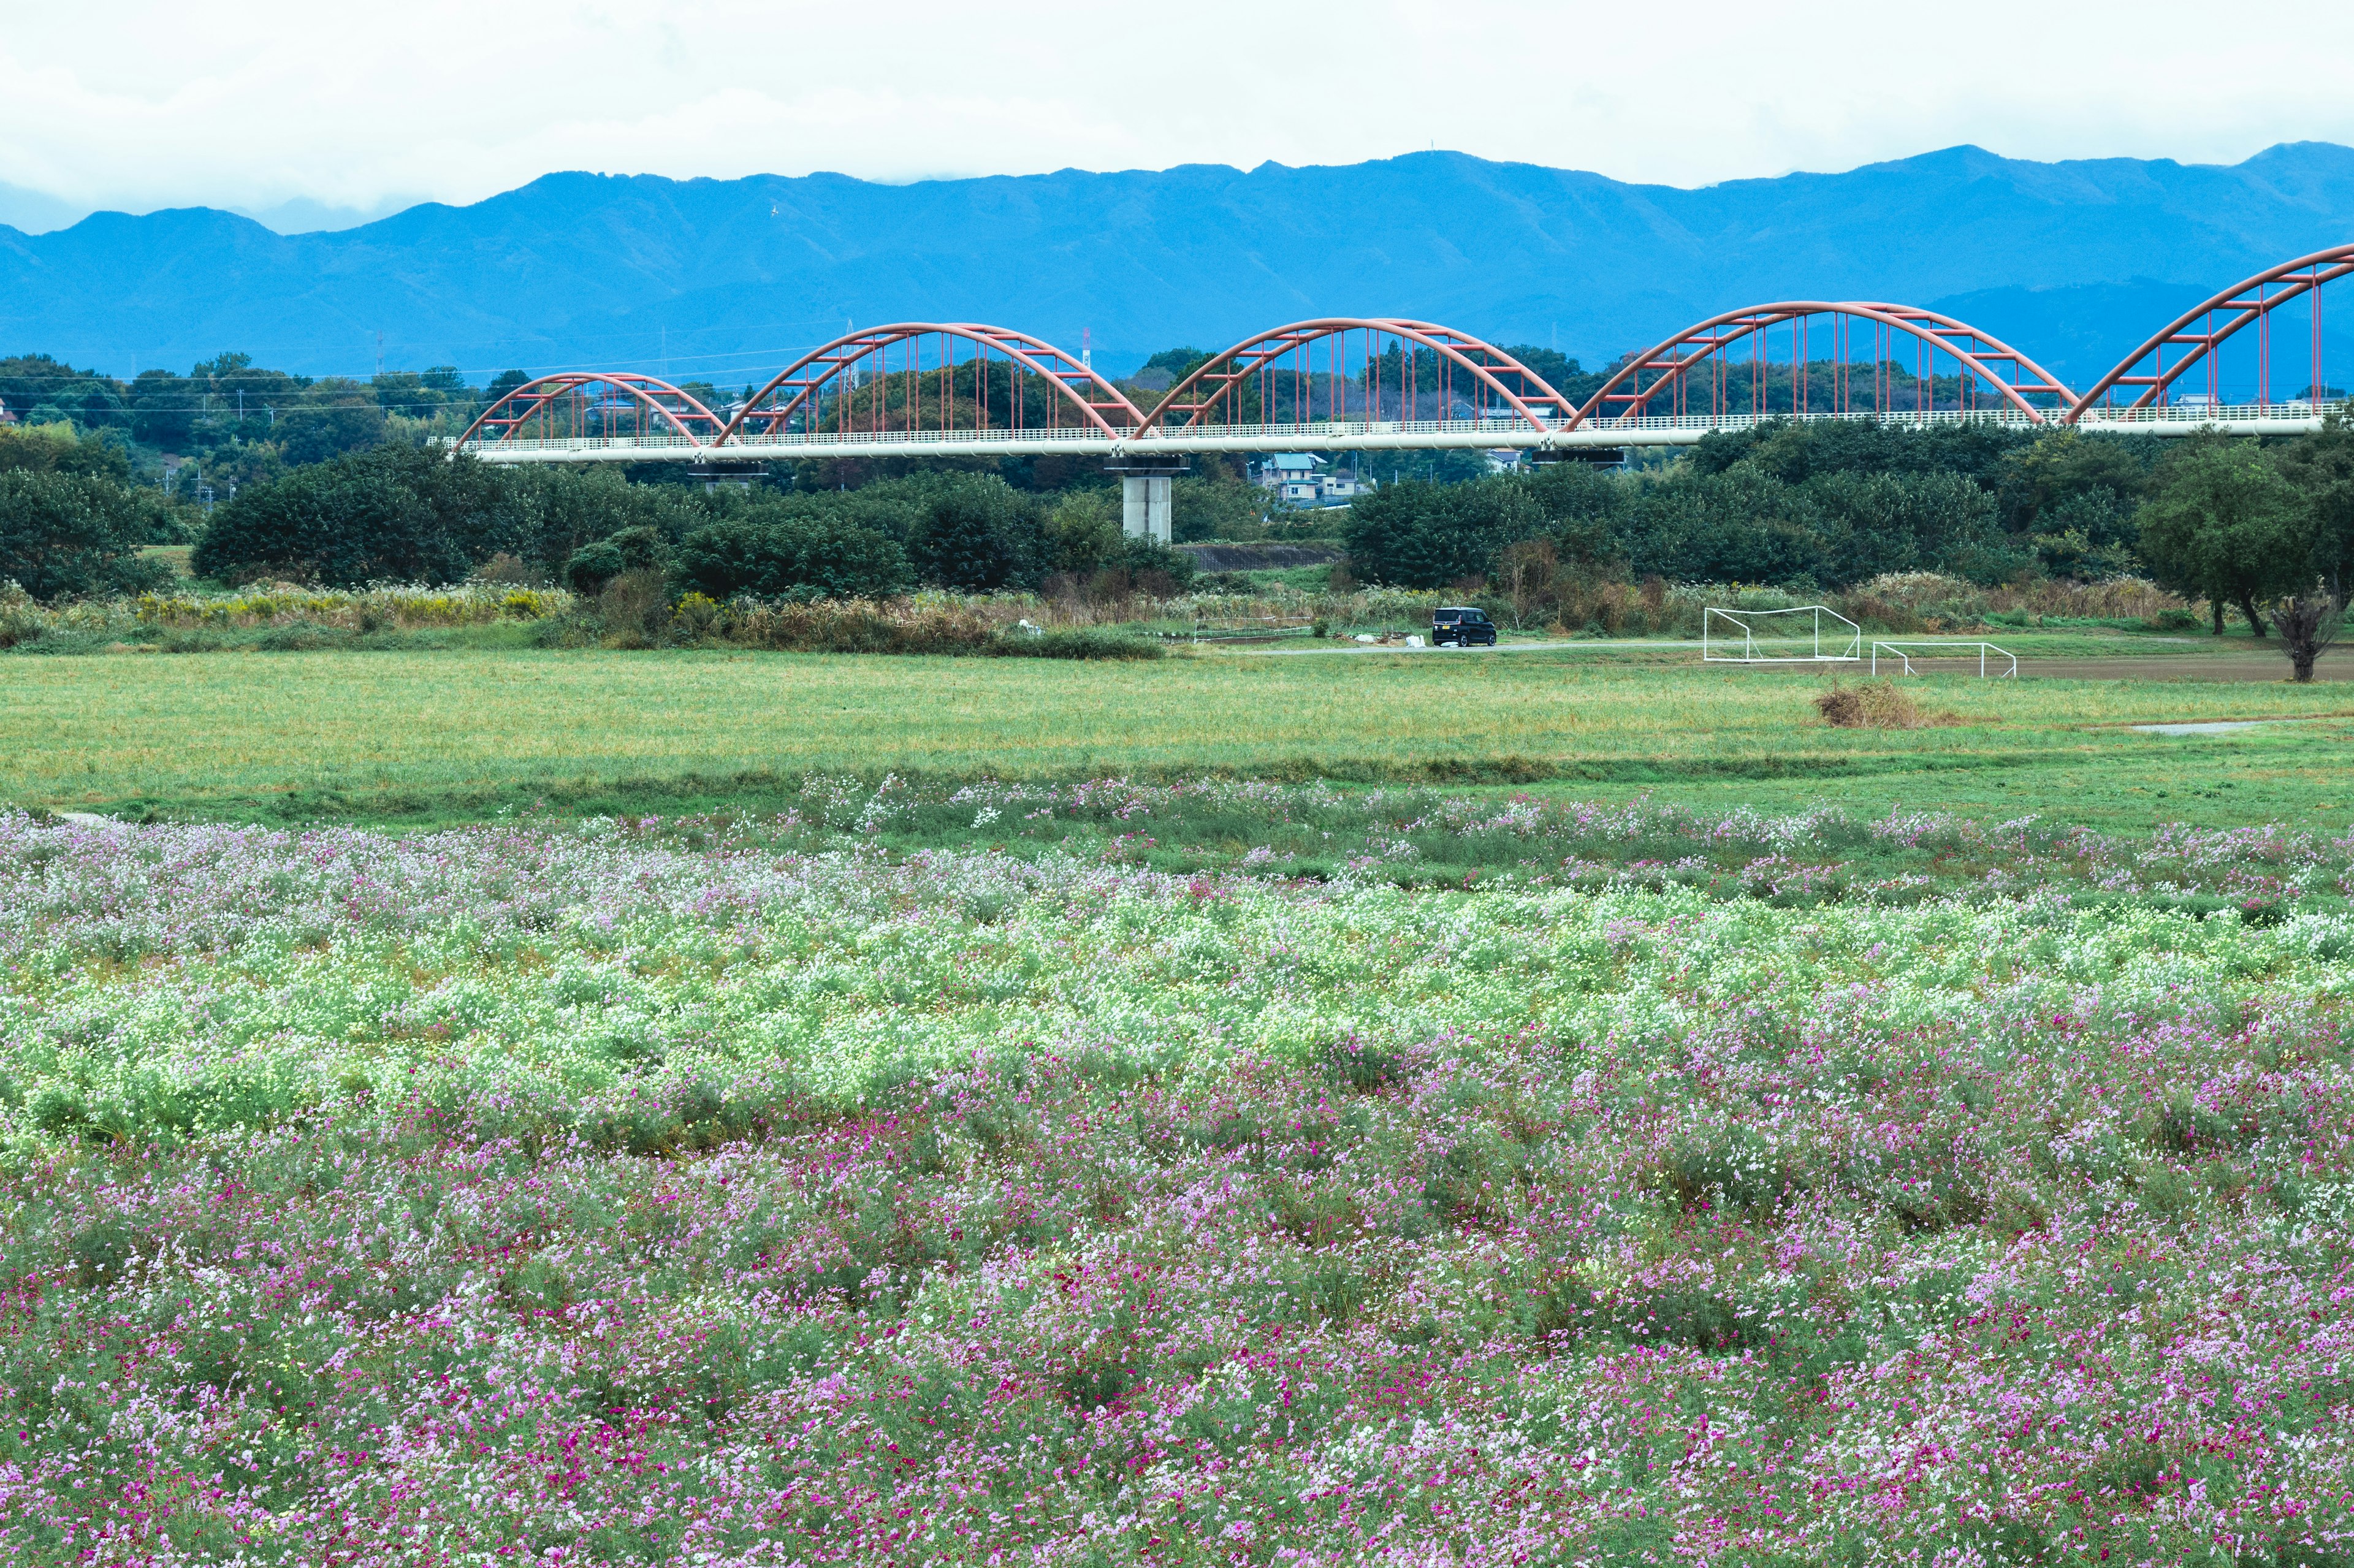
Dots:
pixel 1293 477
pixel 1303 479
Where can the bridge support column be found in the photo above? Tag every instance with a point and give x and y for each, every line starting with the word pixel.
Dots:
pixel 1144 503
pixel 1144 508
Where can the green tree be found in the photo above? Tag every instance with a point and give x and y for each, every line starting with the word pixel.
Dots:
pixel 1414 534
pixel 1443 467
pixel 1084 528
pixel 1558 371
pixel 163 411
pixel 338 415
pixel 237 400
pixel 56 448
pixel 2321 467
pixel 979 533
pixel 67 534
pixel 44 390
pixel 1738 526
pixel 559 512
pixel 1878 522
pixel 1201 508
pixel 2222 522
pixel 2097 481
pixel 421 394
pixel 395 513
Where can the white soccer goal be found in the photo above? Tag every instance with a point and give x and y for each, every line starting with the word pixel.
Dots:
pixel 1903 654
pixel 1806 634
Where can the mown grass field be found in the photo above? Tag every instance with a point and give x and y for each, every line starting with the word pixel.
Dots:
pixel 423 737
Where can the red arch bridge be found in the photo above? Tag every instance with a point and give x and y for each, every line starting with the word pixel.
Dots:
pixel 941 390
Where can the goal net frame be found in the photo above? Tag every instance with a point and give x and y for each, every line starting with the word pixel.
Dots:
pixel 1846 638
pixel 1961 649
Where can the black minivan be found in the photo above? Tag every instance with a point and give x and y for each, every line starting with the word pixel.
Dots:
pixel 1460 623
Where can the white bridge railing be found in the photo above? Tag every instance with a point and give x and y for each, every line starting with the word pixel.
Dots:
pixel 1355 435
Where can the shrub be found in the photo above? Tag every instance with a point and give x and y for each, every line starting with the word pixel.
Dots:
pixel 394 514
pixel 635 607
pixel 770 557
pixel 1081 643
pixel 64 535
pixel 864 626
pixel 1874 704
pixel 593 565
pixel 979 535
pixel 1414 534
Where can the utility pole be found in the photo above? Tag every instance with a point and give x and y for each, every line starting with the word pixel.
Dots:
pixel 379 350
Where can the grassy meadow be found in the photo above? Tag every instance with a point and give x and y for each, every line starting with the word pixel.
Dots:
pixel 423 737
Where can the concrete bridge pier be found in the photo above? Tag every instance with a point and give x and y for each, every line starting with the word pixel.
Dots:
pixel 1144 508
pixel 1144 496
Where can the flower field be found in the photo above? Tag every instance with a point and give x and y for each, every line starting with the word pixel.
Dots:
pixel 1170 1175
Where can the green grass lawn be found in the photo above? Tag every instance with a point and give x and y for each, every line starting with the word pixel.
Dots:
pixel 435 735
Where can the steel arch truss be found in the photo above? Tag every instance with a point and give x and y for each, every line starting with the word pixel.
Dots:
pixel 1307 356
pixel 574 404
pixel 2197 334
pixel 1668 370
pixel 864 360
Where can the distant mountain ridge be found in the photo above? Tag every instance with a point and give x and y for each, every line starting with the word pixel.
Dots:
pixel 2074 262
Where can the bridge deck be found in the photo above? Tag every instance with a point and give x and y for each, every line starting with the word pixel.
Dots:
pixel 1338 436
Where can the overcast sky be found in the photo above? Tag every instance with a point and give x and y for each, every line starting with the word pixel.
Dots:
pixel 121 103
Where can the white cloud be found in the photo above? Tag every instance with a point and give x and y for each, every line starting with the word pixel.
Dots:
pixel 127 103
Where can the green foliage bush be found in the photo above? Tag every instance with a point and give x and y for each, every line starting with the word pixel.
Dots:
pixel 593 565
pixel 393 515
pixel 66 535
pixel 978 536
pixel 1793 504
pixel 772 556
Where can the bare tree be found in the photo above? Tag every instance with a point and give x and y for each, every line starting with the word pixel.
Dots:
pixel 2307 624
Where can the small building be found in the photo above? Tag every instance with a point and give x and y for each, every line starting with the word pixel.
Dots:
pixel 1294 477
pixel 6 417
pixel 1303 479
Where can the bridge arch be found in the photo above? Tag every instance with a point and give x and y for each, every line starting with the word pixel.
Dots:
pixel 1984 360
pixel 2251 300
pixel 799 390
pixel 568 392
pixel 1212 392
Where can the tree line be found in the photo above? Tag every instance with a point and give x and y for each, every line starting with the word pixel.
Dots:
pixel 413 514
pixel 1833 504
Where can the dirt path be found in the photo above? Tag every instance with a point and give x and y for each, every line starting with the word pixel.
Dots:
pixel 2338 664
pixel 2241 664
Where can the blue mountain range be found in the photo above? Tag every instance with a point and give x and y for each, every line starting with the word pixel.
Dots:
pixel 2074 262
